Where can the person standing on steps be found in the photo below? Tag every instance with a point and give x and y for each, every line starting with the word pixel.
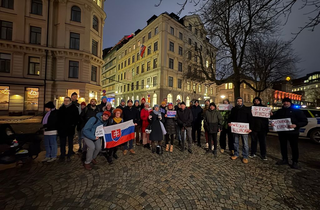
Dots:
pixel 197 122
pixel 170 125
pixel 184 119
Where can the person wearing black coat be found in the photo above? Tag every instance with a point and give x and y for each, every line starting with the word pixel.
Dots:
pixel 68 117
pixel 138 126
pixel 130 113
pixel 197 120
pixel 103 103
pixel 91 110
pixel 156 135
pixel 122 104
pixel 260 128
pixel 184 119
pixel 241 114
pixel 170 125
pixel 298 120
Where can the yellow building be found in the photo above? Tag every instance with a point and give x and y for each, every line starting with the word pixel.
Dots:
pixel 48 50
pixel 160 72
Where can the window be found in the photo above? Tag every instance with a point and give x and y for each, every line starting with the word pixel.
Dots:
pixel 5 30
pixel 180 50
pixel 138 56
pixel 94 47
pixel 200 47
pixel 128 88
pixel 120 91
pixel 195 46
pixel 194 87
pixel 142 68
pixel 189 55
pixel 95 23
pixel 170 63
pixel 73 69
pixel 190 41
pixel 154 79
pixel 129 61
pixel 133 59
pixel 180 67
pixel 171 47
pixel 143 39
pixel 170 82
pixel 132 86
pixel 179 83
pixel 155 46
pixel 171 30
pixel 148 66
pixel 35 35
pixel 94 73
pixel 34 66
pixel 211 91
pixel 154 99
pixel 5 62
pixel 188 100
pixel 149 35
pixel 148 82
pixel 7 4
pixel 125 63
pixel 124 75
pixel 188 85
pixel 180 35
pixel 74 41
pixel 122 65
pixel 230 85
pixel 189 69
pixel 156 31
pixel 190 27
pixel 36 7
pixel 199 89
pixel 196 31
pixel 124 88
pixel 75 14
pixel 142 84
pixel 149 50
pixel 244 85
pixel 169 98
pixel 137 72
pixel 4 97
pixel 31 100
pixel 155 63
pixel 137 85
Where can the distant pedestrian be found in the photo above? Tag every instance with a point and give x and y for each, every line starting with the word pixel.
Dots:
pixel 184 119
pixel 144 115
pixel 170 125
pixel 156 136
pixel 226 131
pixel 197 122
pixel 50 125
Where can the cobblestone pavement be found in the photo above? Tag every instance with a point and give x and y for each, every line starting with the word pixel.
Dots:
pixel 172 181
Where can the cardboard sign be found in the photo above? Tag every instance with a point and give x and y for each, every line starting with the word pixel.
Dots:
pixel 224 107
pixel 260 111
pixel 281 124
pixel 171 114
pixel 99 131
pixel 240 128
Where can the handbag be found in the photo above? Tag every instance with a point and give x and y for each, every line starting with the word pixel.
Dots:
pixel 148 129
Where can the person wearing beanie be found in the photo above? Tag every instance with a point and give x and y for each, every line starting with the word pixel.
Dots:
pixel 144 116
pixel 143 101
pixel 260 128
pixel 138 126
pixel 170 125
pixel 103 102
pixel 122 104
pixel 156 120
pixel 206 107
pixel 298 120
pixel 241 114
pixel 197 122
pixel 163 107
pixel 226 131
pixel 212 124
pixel 50 127
pixel 185 119
pixel 108 107
pixel 83 105
pixel 93 142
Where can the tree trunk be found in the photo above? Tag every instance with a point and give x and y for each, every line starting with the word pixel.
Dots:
pixel 236 90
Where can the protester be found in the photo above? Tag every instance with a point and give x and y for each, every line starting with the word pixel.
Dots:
pixel 212 123
pixel 50 125
pixel 298 120
pixel 163 108
pixel 240 114
pixel 138 126
pixel 144 115
pixel 170 125
pixel 143 101
pixel 178 132
pixel 176 107
pixel 196 123
pixel 165 100
pixel 74 99
pixel 260 128
pixel 122 104
pixel 93 142
pixel 103 103
pixel 108 108
pixel 190 105
pixel 130 113
pixel 156 135
pixel 226 131
pixel 79 127
pixel 91 110
pixel 68 117
pixel 184 119
pixel 206 107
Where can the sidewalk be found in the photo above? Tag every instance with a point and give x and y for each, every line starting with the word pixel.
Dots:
pixel 20 119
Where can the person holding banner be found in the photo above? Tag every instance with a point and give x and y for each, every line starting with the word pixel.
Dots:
pixel 260 128
pixel 240 114
pixel 226 130
pixel 144 115
pixel 298 120
pixel 212 124
pixel 157 129
pixel 170 125
pixel 93 142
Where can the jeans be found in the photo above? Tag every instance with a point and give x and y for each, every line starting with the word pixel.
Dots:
pixel 261 137
pixel 212 137
pixel 178 133
pixel 245 147
pixel 196 128
pixel 130 145
pixel 63 142
pixel 185 131
pixel 50 143
pixel 293 140
pixel 94 147
pixel 223 140
pixel 80 139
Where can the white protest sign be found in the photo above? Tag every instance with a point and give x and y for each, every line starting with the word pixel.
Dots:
pixel 281 124
pixel 99 131
pixel 224 107
pixel 240 128
pixel 261 111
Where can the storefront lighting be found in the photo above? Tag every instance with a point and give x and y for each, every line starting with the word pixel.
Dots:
pixel 222 96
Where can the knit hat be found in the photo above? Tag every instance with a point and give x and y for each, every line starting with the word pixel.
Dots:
pixel 106 113
pixel 213 104
pixel 143 99
pixel 122 100
pixel 136 101
pixel 170 104
pixel 129 101
pixel 182 103
pixel 163 103
pixel 104 97
pixel 286 100
pixel 156 105
pixel 49 105
pixel 93 99
pixel 117 110
pixel 83 103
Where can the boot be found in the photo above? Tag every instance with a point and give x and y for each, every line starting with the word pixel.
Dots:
pixel 87 167
pixel 215 153
pixel 94 162
pixel 171 148
pixel 167 147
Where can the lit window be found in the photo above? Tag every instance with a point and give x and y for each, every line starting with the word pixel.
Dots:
pixel 34 66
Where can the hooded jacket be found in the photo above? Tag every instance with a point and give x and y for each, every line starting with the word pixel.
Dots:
pixel 89 130
pixel 212 121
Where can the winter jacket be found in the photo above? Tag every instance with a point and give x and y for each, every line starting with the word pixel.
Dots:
pixel 138 108
pixel 197 115
pixel 170 124
pixel 52 124
pixel 105 109
pixel 212 121
pixel 297 117
pixel 120 107
pixel 156 133
pixel 163 110
pixel 68 118
pixel 89 130
pixel 87 113
pixel 144 118
pixel 101 106
pixel 260 124
pixel 184 118
pixel 241 114
pixel 131 114
pixel 77 105
pixel 225 115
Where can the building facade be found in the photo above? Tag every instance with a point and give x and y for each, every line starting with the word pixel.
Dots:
pixel 152 63
pixel 48 50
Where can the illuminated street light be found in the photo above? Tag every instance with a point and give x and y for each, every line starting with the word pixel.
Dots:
pixel 222 96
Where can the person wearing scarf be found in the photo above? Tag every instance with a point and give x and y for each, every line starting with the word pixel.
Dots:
pixel 241 114
pixel 156 118
pixel 50 122
pixel 144 116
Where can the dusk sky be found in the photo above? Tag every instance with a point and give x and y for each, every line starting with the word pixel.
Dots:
pixel 126 16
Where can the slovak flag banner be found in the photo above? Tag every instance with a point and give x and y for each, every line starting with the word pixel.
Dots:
pixel 142 49
pixel 115 135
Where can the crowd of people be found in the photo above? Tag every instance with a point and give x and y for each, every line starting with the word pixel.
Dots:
pixel 158 128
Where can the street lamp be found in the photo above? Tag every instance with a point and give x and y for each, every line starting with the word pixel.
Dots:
pixel 147 86
pixel 222 96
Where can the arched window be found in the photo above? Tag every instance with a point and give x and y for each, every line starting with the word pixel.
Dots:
pixel 132 98
pixel 154 100
pixel 137 98
pixel 179 97
pixel 118 101
pixel 95 23
pixel 169 98
pixel 76 14
pixel 188 101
